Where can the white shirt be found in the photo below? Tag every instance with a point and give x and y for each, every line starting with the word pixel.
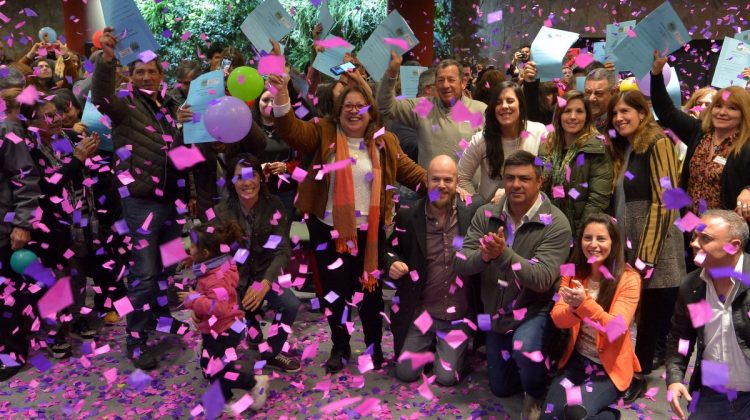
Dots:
pixel 362 187
pixel 510 227
pixel 719 335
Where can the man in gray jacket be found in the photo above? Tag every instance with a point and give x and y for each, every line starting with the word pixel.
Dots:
pixel 441 121
pixel 518 246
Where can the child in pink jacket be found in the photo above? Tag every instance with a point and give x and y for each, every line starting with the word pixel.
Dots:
pixel 216 312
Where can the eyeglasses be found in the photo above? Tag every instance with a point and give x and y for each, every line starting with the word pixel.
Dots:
pixel 354 107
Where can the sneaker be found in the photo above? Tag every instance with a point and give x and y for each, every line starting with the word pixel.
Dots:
pixel 60 348
pixel 142 356
pixel 111 318
pixel 284 362
pixel 532 408
pixel 81 329
pixel 259 392
pixel 7 372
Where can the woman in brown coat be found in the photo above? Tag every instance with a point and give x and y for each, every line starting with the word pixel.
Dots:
pixel 347 198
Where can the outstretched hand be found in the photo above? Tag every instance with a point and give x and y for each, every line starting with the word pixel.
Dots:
pixel 108 42
pixel 659 63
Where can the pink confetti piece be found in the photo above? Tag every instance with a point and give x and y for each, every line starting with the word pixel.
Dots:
pixel 242 404
pixel 688 222
pixel 272 242
pixel 338 405
pixel 185 157
pixel 28 95
pixel 568 270
pixel 683 346
pixel 172 252
pixel 417 359
pixel 423 107
pixel 615 328
pixel 147 56
pixel 583 60
pixel 534 356
pixel 123 306
pixel 459 114
pixel 110 375
pixel 423 322
pixel 519 314
pixel 299 174
pixel 333 42
pixel 336 264
pixel 272 64
pixel 700 313
pixel 455 338
pixel 367 406
pixel 364 363
pixel 425 391
pixel 493 17
pixel 573 395
pixel 561 102
pixel 397 42
pixel 379 133
pixel 57 298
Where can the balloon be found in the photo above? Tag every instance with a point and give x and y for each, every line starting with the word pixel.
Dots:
pixel 628 84
pixel 21 259
pixel 95 39
pixel 245 83
pixel 51 35
pixel 228 119
pixel 645 84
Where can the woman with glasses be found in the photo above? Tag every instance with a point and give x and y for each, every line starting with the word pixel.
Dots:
pixel 346 198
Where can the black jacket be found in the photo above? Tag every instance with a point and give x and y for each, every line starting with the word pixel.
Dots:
pixel 410 247
pixel 693 290
pixel 19 182
pixel 261 263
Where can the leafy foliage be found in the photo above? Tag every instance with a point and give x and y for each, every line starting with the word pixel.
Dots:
pixel 218 21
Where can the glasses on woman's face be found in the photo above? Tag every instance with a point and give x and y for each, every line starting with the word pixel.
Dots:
pixel 354 107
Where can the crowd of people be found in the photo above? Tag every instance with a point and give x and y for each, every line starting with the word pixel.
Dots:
pixel 532 222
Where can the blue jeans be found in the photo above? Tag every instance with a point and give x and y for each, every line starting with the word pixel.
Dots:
pixel 715 405
pixel 147 279
pixel 519 373
pixel 584 373
pixel 286 305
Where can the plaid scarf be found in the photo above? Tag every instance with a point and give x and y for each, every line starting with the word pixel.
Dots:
pixel 344 219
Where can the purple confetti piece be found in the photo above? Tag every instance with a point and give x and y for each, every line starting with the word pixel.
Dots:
pixel 676 198
pixel 40 362
pixel 434 195
pixel 139 380
pixel 213 401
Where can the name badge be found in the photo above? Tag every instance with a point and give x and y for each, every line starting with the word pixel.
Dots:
pixel 720 160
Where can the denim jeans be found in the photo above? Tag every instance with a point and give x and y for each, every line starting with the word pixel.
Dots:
pixel 714 405
pixel 584 373
pixel 286 305
pixel 449 361
pixel 510 370
pixel 147 279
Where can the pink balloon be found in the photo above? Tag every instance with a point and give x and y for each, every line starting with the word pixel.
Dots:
pixel 644 85
pixel 228 119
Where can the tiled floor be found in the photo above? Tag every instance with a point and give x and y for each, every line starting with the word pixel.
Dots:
pixel 87 387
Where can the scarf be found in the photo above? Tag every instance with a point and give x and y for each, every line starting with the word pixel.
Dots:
pixel 344 219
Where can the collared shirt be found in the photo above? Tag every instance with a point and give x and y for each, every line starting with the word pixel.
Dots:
pixel 442 296
pixel 720 337
pixel 511 228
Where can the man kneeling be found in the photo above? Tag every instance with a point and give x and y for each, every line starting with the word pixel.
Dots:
pixel 431 302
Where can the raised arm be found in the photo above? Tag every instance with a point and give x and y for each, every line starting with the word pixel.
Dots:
pixel 103 80
pixel 670 116
pixel 390 108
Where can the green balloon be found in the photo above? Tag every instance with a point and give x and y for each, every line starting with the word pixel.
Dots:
pixel 245 83
pixel 21 259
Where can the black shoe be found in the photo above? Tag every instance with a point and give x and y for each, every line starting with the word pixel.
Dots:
pixel 574 412
pixel 657 362
pixel 377 356
pixel 59 348
pixel 142 356
pixel 636 390
pixel 335 362
pixel 81 329
pixel 7 372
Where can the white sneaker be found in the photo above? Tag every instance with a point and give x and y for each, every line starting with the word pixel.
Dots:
pixel 259 392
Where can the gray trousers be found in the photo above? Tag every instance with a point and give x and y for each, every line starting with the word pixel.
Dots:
pixel 449 361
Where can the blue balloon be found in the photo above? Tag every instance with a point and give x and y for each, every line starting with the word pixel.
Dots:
pixel 51 35
pixel 21 259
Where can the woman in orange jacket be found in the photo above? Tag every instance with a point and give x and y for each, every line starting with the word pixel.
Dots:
pixel 597 304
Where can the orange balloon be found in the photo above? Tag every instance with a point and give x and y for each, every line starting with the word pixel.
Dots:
pixel 95 39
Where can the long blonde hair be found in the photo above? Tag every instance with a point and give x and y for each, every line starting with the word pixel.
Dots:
pixel 739 97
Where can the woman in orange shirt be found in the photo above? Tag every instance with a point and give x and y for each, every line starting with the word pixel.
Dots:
pixel 597 304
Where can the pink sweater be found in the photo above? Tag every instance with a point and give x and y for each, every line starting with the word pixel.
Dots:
pixel 217 298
